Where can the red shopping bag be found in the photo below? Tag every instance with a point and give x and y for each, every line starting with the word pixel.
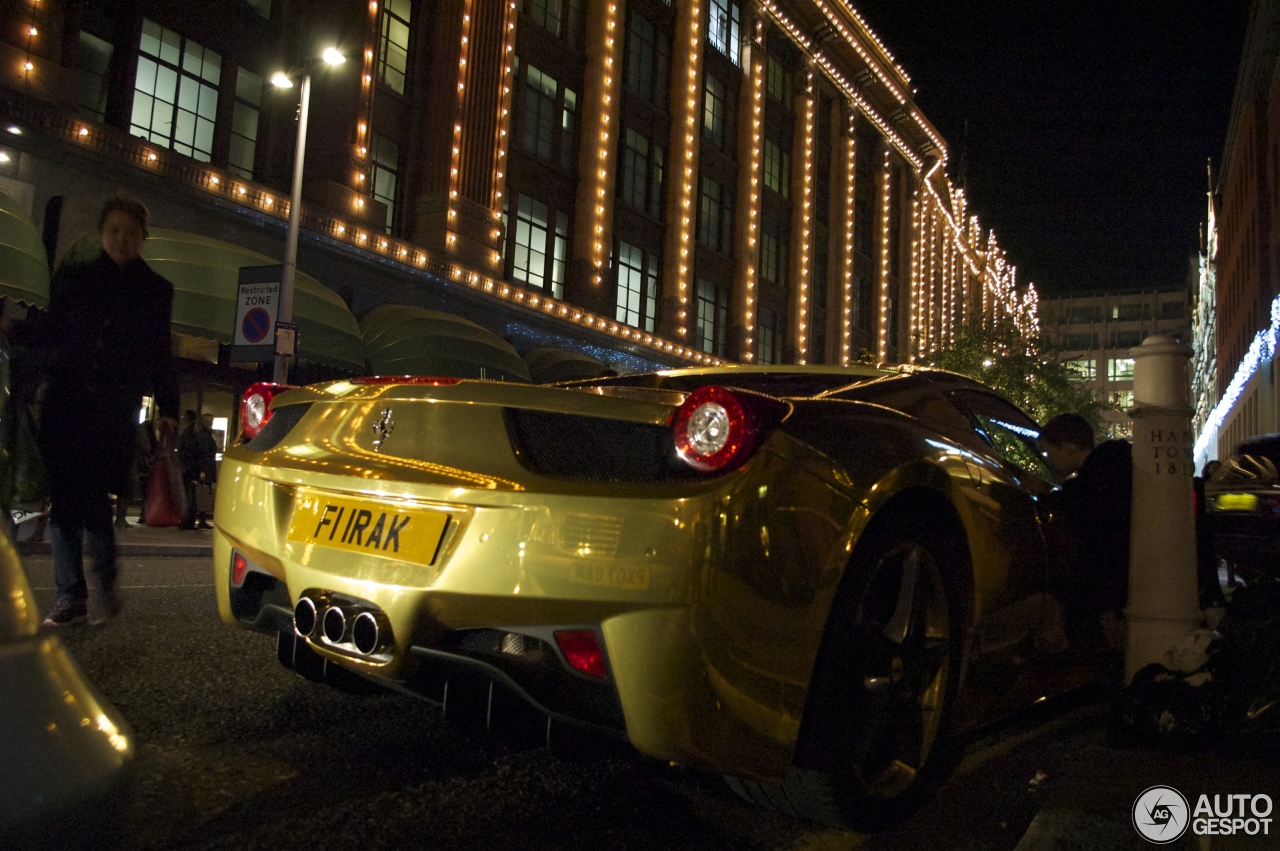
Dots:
pixel 166 503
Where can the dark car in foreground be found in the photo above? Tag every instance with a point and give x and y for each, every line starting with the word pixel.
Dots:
pixel 1242 509
pixel 811 580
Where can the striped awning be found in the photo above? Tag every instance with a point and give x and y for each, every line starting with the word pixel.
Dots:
pixel 548 365
pixel 24 265
pixel 406 340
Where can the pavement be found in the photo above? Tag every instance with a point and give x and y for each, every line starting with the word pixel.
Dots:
pixel 135 540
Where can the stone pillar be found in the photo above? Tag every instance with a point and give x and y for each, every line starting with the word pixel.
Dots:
pixel 1164 599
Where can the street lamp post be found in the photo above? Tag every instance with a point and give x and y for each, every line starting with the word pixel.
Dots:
pixel 284 315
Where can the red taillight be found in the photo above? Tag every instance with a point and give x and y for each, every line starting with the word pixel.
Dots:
pixel 239 567
pixel 716 428
pixel 433 380
pixel 582 651
pixel 255 408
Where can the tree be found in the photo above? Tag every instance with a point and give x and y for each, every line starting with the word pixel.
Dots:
pixel 1026 371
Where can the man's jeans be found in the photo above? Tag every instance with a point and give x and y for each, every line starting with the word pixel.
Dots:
pixel 68 556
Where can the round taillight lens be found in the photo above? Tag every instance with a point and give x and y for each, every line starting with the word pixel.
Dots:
pixel 712 429
pixel 255 407
pixel 255 411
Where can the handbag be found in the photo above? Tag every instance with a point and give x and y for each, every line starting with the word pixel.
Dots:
pixel 204 497
pixel 166 503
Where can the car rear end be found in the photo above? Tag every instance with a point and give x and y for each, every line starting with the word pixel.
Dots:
pixel 1242 508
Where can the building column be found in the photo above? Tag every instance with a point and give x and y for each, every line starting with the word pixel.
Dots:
pixel 801 260
pixel 741 334
pixel 458 207
pixel 674 313
pixel 843 198
pixel 883 187
pixel 597 158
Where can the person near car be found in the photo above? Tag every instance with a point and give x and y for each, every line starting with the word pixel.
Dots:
pixel 199 454
pixel 1092 511
pixel 106 340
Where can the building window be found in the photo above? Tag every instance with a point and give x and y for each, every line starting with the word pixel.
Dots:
pixel 1130 312
pixel 715 216
pixel 1126 339
pixel 777 168
pixel 1082 315
pixel 95 62
pixel 724 28
pixel 540 241
pixel 175 99
pixel 386 166
pixel 648 60
pixel 543 97
pixel 558 17
pixel 1124 399
pixel 244 123
pixel 773 251
pixel 1172 310
pixel 713 316
pixel 638 274
pixel 1120 369
pixel 778 83
pixel 768 348
pixel 640 179
pixel 1082 369
pixel 393 53
pixel 1080 340
pixel 716 112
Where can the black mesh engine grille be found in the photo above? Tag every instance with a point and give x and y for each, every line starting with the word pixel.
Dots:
pixel 595 449
pixel 281 423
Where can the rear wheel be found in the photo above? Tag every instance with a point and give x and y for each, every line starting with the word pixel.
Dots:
pixel 874 744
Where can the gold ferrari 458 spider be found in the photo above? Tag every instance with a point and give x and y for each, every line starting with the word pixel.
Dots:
pixel 810 580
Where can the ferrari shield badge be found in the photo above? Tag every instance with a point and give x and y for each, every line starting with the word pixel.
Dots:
pixel 382 428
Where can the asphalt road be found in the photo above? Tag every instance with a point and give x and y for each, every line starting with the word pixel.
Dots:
pixel 235 752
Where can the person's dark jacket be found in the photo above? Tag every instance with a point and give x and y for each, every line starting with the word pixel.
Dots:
pixel 105 342
pixel 1096 506
pixel 199 453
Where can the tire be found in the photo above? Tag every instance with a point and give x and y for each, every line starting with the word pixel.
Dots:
pixel 875 742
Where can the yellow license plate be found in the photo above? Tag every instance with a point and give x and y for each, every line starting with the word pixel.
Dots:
pixel 612 576
pixel 1237 502
pixel 371 528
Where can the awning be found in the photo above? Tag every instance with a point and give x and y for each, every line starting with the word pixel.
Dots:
pixel 547 365
pixel 204 273
pixel 24 266
pixel 405 340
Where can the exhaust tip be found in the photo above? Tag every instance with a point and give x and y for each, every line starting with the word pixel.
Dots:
pixel 334 625
pixel 305 617
pixel 367 633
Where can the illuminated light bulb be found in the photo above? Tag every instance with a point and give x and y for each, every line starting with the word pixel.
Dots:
pixel 84 131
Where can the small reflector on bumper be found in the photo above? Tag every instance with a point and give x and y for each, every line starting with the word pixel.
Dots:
pixel 239 567
pixel 582 651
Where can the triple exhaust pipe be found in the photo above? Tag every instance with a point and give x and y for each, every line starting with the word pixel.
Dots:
pixel 342 623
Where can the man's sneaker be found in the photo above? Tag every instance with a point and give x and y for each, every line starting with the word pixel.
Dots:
pixel 104 604
pixel 66 611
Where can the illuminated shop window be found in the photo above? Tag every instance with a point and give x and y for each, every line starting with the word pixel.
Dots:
pixel 539 250
pixel 713 316
pixel 558 17
pixel 768 338
pixel 724 25
pixel 717 113
pixel 640 178
pixel 777 168
pixel 244 123
pixel 95 62
pixel 773 251
pixel 1120 369
pixel 544 136
pixel 648 61
pixel 1123 399
pixel 637 297
pixel 1082 369
pixel 393 45
pixel 386 167
pixel 175 99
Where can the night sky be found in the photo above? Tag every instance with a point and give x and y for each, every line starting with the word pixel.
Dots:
pixel 1089 125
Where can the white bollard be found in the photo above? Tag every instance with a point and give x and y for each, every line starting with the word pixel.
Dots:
pixel 1164 597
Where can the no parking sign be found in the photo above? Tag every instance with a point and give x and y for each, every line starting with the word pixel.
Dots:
pixel 257 303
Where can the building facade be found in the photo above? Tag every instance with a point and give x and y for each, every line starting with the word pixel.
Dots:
pixel 1096 333
pixel 655 183
pixel 1244 251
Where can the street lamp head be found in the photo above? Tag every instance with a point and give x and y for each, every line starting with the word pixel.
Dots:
pixel 333 56
pixel 281 80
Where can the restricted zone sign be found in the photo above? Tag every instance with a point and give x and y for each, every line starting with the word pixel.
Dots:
pixel 257 303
